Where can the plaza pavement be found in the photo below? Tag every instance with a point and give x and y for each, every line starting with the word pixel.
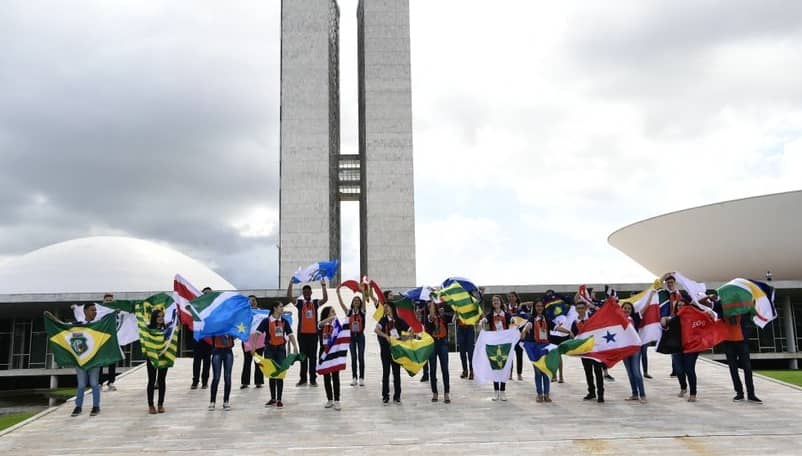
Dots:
pixel 471 424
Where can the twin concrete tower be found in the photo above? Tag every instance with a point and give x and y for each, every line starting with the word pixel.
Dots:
pixel 315 177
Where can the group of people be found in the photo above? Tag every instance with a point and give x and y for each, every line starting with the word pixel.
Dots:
pixel 315 325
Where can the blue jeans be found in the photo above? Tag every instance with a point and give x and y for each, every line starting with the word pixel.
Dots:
pixel 88 377
pixel 542 383
pixel 466 338
pixel 632 364
pixel 358 354
pixel 440 352
pixel 222 359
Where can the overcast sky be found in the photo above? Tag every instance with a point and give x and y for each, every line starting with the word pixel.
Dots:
pixel 539 127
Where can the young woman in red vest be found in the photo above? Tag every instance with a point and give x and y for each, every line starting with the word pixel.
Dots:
pixel 307 329
pixel 537 329
pixel 498 320
pixel 222 360
pixel 390 327
pixel 331 382
pixel 277 331
pixel 437 327
pixel 356 322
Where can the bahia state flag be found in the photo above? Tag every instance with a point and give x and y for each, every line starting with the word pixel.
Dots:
pixel 126 320
pixel 316 272
pixel 84 345
pixel 160 347
pixel 615 338
pixel 221 314
pixel 464 305
pixel 491 356
pixel 334 353
pixel 546 357
pixel 412 352
pixel 748 297
pixel 272 369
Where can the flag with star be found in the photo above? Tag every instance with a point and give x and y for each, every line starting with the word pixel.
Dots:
pixel 221 314
pixel 491 356
pixel 615 338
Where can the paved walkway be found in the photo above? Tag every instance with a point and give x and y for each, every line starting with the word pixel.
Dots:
pixel 471 424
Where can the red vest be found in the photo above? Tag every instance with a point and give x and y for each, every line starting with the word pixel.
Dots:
pixel 308 318
pixel 440 330
pixel 355 322
pixel 541 330
pixel 499 318
pixel 276 329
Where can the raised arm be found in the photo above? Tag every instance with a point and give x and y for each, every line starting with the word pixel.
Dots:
pixel 340 298
pixel 325 292
pixel 289 291
pixel 53 317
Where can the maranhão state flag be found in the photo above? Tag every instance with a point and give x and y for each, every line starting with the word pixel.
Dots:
pixel 615 338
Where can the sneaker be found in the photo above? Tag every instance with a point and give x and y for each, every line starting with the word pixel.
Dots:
pixel 397 401
pixel 337 406
pixel 495 395
pixel 561 380
pixel 424 379
pixel 194 386
pixel 503 396
pixel 361 382
pixel 112 387
pixel 609 378
pixel 539 398
pixel 226 407
pixel 258 386
pixel 643 400
pixel 691 398
pixel 673 374
pixel 434 398
pixel 270 403
pixel 95 411
pixel 242 387
pixel 738 398
pixel 446 398
pixel 681 393
pixel 301 383
pixel 279 404
pixel 386 401
pixel 211 406
pixel 600 400
pixel 329 404
pixel 553 379
pixel 76 411
pixel 354 382
pixel 646 375
pixel 151 410
pixel 589 397
pixel 754 399
pixel 546 398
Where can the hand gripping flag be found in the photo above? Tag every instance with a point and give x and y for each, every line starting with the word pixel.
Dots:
pixel 412 351
pixel 334 352
pixel 613 335
pixel 647 304
pixel 748 297
pixel 159 346
pixel 256 340
pixel 699 331
pixel 126 320
pixel 405 309
pixel 272 369
pixel 461 301
pixel 491 356
pixel 371 292
pixel 221 313
pixel 546 357
pixel 316 272
pixel 84 345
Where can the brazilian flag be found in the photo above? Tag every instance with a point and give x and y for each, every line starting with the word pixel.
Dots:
pixel 84 345
pixel 159 346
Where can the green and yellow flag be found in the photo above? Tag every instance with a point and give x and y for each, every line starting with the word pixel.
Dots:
pixel 465 305
pixel 159 346
pixel 412 353
pixel 272 369
pixel 84 345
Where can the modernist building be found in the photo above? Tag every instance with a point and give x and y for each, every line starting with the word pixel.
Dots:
pixel 315 178
pixel 718 242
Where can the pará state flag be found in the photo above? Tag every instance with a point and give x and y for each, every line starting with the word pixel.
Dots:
pixel 316 272
pixel 491 356
pixel 84 345
pixel 615 338
pixel 126 319
pixel 221 314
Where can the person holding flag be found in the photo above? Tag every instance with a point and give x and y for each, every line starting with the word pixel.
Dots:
pixel 516 309
pixel 390 327
pixel 633 363
pixel 331 380
pixel 537 330
pixel 112 368
pixel 356 323
pixel 277 331
pixel 498 319
pixel 157 376
pixel 437 326
pixel 591 367
pixel 201 357
pixel 307 329
pixel 257 343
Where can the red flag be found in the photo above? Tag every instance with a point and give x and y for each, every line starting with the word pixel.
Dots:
pixel 700 332
pixel 186 292
pixel 614 338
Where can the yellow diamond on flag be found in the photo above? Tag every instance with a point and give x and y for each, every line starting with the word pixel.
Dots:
pixel 83 343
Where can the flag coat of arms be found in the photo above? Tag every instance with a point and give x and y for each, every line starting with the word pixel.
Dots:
pixel 491 356
pixel 84 345
pixel 615 338
pixel 221 314
pixel 126 319
pixel 334 352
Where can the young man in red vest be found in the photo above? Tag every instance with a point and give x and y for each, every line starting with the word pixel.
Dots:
pixel 307 329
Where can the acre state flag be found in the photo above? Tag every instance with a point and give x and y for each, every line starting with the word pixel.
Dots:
pixel 615 338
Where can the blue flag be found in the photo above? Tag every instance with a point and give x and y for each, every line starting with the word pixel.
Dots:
pixel 316 271
pixel 221 314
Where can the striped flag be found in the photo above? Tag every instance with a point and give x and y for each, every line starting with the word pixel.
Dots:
pixel 465 305
pixel 614 337
pixel 412 353
pixel 159 347
pixel 316 271
pixel 335 349
pixel 647 304
pixel 748 297
pixel 185 293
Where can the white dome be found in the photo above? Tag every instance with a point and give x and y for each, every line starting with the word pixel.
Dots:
pixel 103 264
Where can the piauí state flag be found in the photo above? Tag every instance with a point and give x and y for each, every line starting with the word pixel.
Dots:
pixel 748 297
pixel 461 301
pixel 615 338
pixel 84 345
pixel 413 351
pixel 126 320
pixel 491 357
pixel 316 272
pixel 221 314
pixel 272 369
pixel 160 347
pixel 546 357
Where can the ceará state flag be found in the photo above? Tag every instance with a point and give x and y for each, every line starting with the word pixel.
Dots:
pixel 615 337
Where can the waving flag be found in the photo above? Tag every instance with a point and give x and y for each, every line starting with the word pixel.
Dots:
pixel 555 305
pixel 335 350
pixel 159 347
pixel 698 330
pixel 647 304
pixel 185 292
pixel 695 289
pixel 419 294
pixel 126 320
pixel 614 337
pixel 84 345
pixel 412 353
pixel 491 356
pixel 461 301
pixel 546 357
pixel 221 313
pixel 405 309
pixel 272 369
pixel 316 272
pixel 748 297
pixel 371 292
